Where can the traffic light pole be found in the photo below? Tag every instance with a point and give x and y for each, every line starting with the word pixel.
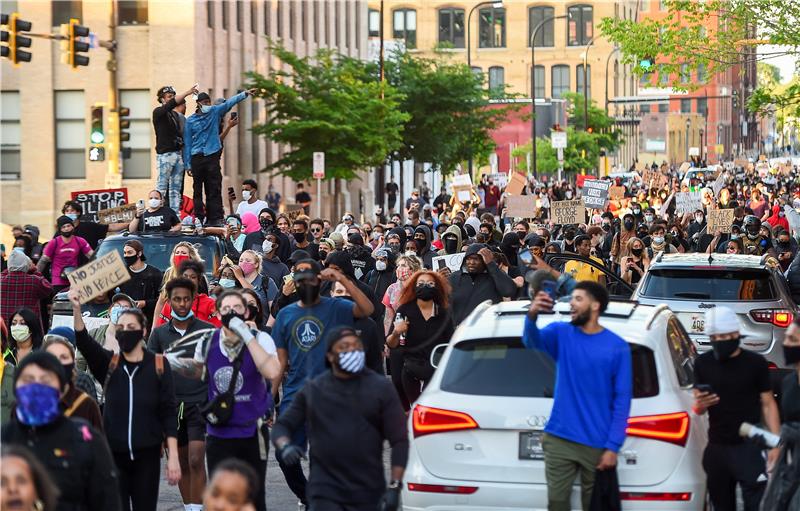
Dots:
pixel 114 174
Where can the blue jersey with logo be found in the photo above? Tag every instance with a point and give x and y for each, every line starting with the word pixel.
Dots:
pixel 300 331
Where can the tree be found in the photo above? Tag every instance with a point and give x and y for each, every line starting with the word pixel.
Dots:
pixel 329 103
pixel 450 117
pixel 583 146
pixel 681 43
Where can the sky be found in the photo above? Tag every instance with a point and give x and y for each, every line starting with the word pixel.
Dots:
pixel 785 63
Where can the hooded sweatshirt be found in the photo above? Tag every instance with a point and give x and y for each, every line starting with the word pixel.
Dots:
pixel 341 260
pixel 471 290
pixel 379 281
pixel 510 247
pixel 453 230
pixel 778 218
pixel 425 252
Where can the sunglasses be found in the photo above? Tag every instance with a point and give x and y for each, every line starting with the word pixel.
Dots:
pixel 316 230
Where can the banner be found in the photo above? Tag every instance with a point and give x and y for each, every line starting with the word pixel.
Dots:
pixel 719 220
pixel 521 206
pixel 688 202
pixel 595 193
pixel 117 215
pixel 451 261
pixel 99 276
pixel 568 212
pixel 93 201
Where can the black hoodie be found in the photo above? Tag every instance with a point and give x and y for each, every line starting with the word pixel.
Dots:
pixel 379 281
pixel 469 290
pixel 425 252
pixel 341 260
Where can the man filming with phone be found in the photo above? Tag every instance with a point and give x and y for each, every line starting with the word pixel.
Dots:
pixel 733 385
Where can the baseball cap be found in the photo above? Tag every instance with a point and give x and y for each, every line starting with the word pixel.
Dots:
pixel 721 320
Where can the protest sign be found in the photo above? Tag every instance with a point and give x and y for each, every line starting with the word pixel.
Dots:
pixel 462 180
pixel 462 193
pixel 451 261
pixel 719 184
pixel 684 167
pixel 120 214
pixel 515 184
pixel 616 193
pixel 719 220
pixel 91 322
pixel 654 178
pixel 595 193
pixel 500 179
pixel 568 212
pixel 93 201
pixel 521 206
pixel 688 202
pixel 293 211
pixel 99 276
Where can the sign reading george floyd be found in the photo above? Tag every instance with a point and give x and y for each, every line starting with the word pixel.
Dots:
pixel 568 212
pixel 94 201
pixel 99 276
pixel 595 193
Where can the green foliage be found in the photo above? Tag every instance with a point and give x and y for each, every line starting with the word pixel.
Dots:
pixel 329 103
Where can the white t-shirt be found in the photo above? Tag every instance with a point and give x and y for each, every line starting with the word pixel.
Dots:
pixel 254 208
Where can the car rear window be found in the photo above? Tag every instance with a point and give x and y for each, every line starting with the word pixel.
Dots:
pixel 504 367
pixel 158 250
pixel 709 284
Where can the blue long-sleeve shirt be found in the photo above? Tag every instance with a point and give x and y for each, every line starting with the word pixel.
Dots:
pixel 594 383
pixel 201 131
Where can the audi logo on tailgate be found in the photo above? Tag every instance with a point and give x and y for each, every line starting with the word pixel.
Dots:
pixel 537 421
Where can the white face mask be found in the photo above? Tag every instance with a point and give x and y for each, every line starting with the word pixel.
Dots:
pixel 568 194
pixel 698 218
pixel 380 265
pixel 648 218
pixel 154 203
pixel 246 194
pixel 20 332
pixel 266 246
pixel 205 108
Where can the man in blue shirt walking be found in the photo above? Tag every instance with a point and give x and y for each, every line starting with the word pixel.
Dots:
pixel 592 395
pixel 201 154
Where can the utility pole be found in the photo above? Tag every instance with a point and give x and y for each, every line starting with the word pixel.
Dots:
pixel 114 174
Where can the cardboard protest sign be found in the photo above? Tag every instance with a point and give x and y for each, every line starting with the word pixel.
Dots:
pixel 500 179
pixel 595 193
pixel 99 276
pixel 462 180
pixel 93 201
pixel 515 184
pixel 521 206
pixel 452 261
pixel 684 167
pixel 688 202
pixel 120 214
pixel 719 184
pixel 293 211
pixel 568 212
pixel 654 178
pixel 462 193
pixel 616 193
pixel 719 220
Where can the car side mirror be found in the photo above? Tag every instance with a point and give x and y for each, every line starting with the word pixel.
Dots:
pixel 436 354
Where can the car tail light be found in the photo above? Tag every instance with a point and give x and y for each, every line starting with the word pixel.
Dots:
pixel 435 420
pixel 439 488
pixel 772 365
pixel 779 317
pixel 664 497
pixel 671 427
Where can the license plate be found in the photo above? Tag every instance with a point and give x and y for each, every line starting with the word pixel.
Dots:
pixel 530 445
pixel 698 324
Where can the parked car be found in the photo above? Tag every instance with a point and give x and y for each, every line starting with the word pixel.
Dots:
pixel 476 430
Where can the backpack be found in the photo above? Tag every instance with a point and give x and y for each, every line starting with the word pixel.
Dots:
pixel 112 366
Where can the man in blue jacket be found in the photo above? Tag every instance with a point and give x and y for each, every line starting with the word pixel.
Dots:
pixel 201 154
pixel 592 397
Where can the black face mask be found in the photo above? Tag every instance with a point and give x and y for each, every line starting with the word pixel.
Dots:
pixel 128 339
pixel 308 293
pixel 228 316
pixel 425 293
pixel 265 223
pixel 131 260
pixel 69 370
pixel 628 225
pixel 606 227
pixel 66 234
pixel 394 247
pixel 791 354
pixel 322 255
pixel 724 349
pixel 521 235
pixel 636 251
pixel 252 310
pixel 569 235
pixel 299 237
pixel 450 245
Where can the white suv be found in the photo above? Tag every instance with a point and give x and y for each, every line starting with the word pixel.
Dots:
pixel 476 430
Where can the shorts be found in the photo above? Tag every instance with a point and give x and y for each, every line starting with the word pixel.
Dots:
pixel 191 426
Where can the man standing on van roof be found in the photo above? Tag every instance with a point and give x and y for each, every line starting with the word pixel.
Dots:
pixel 586 429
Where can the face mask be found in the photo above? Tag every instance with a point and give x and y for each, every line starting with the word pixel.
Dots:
pixel 450 245
pixel 636 251
pixel 403 273
pixel 247 267
pixel 308 293
pixel 205 108
pixel 228 316
pixel 66 234
pixel 20 332
pixel 521 235
pixel 227 283
pixel 628 225
pixel 266 247
pixel 569 236
pixel 351 361
pixel 178 317
pixel 698 218
pixel 72 216
pixel 323 255
pixel 735 236
pixel 425 293
pixel 568 194
pixel 648 218
pixel 129 339
pixel 265 223
pixel 299 237
pixel 69 369
pixel 791 354
pixel 178 259
pixel 724 349
pixel 636 211
pixel 394 247
pixel 376 235
pixel 154 203
pixel 658 240
pixel 606 227
pixel 130 260
pixel 380 265
pixel 37 404
pixel 252 311
pixel 246 194
pixel 114 313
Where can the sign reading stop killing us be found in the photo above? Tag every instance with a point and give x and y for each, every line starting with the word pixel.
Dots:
pixel 595 193
pixel 99 276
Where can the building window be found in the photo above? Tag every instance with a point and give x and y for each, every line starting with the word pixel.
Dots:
pixel 347 42
pixel 559 81
pixel 303 18
pixel 451 26
pixel 255 139
pixel 210 13
pixel 132 12
pixel 9 135
pixel 327 24
pixel 539 85
pixel 70 134
pixel 63 11
pixel 580 26
pixel 492 28
pixel 267 14
pixel 663 75
pixel 644 108
pixel 477 71
pixel 138 165
pixel 663 108
pixel 579 79
pixel 224 14
pixel 497 80
pixel 315 6
pixel 686 75
pixel 239 15
pixel 686 106
pixel 292 19
pixel 701 73
pixel 253 18
pixel 337 20
pixel 405 26
pixel 374 23
pixel 279 18
pixel 616 78
pixel 702 106
pixel 544 38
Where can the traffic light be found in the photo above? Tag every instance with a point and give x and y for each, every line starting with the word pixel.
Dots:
pixel 74 46
pixel 97 153
pixel 15 40
pixel 735 99
pixel 97 135
pixel 124 123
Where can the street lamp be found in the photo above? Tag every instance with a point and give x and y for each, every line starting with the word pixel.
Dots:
pixel 585 85
pixel 688 125
pixel 608 60
pixel 533 88
pixel 702 145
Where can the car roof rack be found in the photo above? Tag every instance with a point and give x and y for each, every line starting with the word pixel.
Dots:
pixel 659 256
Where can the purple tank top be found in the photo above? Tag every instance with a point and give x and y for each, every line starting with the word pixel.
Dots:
pixel 253 399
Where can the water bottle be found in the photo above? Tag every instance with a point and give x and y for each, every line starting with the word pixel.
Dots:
pixel 768 438
pixel 198 226
pixel 398 318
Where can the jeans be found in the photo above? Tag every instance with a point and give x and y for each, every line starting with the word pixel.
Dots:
pixel 207 175
pixel 170 178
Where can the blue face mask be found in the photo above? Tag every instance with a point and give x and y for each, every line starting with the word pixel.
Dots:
pixel 205 108
pixel 72 216
pixel 178 317
pixel 114 314
pixel 735 236
pixel 227 283
pixel 37 404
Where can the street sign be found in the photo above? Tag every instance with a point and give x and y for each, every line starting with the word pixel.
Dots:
pixel 558 139
pixel 319 165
